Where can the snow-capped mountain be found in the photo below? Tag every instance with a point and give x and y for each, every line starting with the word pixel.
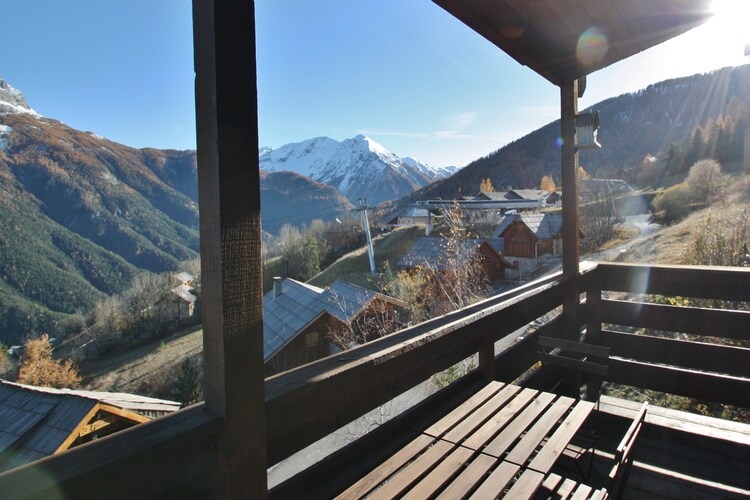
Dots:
pixel 357 167
pixel 12 100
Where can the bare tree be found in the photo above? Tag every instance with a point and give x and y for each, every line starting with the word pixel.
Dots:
pixel 377 320
pixel 703 179
pixel 598 215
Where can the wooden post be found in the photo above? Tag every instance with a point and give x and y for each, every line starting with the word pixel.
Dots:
pixel 594 327
pixel 570 230
pixel 229 196
pixel 487 357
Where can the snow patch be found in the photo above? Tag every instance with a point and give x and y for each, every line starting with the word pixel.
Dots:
pixel 4 131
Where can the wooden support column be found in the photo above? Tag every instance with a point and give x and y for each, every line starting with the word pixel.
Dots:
pixel 229 196
pixel 487 357
pixel 594 327
pixel 570 229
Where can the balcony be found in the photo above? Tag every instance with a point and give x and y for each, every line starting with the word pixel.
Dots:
pixel 222 448
pixel 679 455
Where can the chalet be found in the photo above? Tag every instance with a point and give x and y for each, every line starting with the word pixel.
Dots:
pixel 298 319
pixel 181 302
pixel 409 216
pixel 39 421
pixel 531 235
pixel 436 252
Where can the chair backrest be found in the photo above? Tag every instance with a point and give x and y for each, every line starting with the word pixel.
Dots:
pixel 552 349
pixel 618 475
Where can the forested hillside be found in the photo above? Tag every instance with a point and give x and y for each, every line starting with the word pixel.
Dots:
pixel 654 121
pixel 81 216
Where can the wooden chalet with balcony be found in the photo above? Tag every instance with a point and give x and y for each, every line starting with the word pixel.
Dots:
pixel 466 438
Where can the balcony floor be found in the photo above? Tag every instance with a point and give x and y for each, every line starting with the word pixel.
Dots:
pixel 679 455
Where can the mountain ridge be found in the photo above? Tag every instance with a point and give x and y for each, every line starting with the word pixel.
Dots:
pixel 357 167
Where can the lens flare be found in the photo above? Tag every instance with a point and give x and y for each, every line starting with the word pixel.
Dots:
pixel 559 142
pixel 592 47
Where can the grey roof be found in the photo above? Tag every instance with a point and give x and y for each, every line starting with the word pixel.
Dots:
pixel 299 305
pixel 434 250
pixel 183 292
pixel 409 211
pixel 544 226
pixel 35 421
pixel 603 187
pixel 183 277
pixel 498 244
pixel 529 194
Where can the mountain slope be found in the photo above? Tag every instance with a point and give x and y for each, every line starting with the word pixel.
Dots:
pixel 357 167
pixel 632 126
pixel 311 200
pixel 81 215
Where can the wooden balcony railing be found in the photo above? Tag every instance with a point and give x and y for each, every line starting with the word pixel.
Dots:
pixel 172 454
pixel 700 368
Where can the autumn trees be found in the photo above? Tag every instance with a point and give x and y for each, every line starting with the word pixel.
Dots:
pixel 38 367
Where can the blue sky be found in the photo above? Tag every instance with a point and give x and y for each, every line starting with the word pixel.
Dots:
pixel 403 72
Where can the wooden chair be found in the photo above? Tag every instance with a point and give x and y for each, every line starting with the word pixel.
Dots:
pixel 618 475
pixel 590 364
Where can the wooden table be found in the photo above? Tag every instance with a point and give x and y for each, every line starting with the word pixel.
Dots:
pixel 502 441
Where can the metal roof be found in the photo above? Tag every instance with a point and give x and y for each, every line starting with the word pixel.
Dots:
pixel 36 421
pixel 298 305
pixel 564 40
pixel 544 226
pixel 183 292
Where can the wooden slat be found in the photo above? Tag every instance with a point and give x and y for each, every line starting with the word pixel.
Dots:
pixel 526 485
pixel 493 486
pixel 440 475
pixel 582 492
pixel 692 320
pixel 498 421
pixel 469 478
pixel 701 356
pixel 412 473
pixel 534 436
pixel 553 448
pixel 481 415
pixel 566 489
pixel 574 364
pixel 722 283
pixel 454 417
pixel 680 381
pixel 513 431
pixel 577 347
pixel 387 468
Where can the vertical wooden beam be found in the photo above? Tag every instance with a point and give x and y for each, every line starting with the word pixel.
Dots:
pixel 487 357
pixel 594 328
pixel 229 196
pixel 570 229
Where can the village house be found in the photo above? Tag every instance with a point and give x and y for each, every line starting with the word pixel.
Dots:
pixel 435 252
pixel 409 216
pixel 299 319
pixel 531 235
pixel 36 422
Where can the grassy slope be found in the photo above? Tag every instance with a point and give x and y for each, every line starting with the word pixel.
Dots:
pixel 354 267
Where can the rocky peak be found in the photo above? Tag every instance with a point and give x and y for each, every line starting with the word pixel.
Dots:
pixel 12 100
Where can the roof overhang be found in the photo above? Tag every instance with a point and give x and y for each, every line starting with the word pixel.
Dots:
pixel 563 40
